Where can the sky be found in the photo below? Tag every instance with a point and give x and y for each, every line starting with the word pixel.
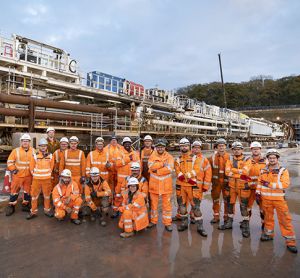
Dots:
pixel 169 43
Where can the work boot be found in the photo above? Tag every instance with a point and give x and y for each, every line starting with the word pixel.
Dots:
pixel 151 225
pixel 265 237
pixel 193 221
pixel 227 224
pixel 76 221
pixel 102 222
pixel 50 214
pixel 215 220
pixel 200 228
pixel 262 226
pixel 169 228
pixel 9 210
pixel 242 224
pixel 184 225
pixel 115 214
pixel 292 249
pixel 31 216
pixel 175 218
pixel 126 235
pixel 93 216
pixel 26 208
pixel 245 229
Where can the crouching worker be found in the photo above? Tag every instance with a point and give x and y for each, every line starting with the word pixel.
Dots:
pixel 97 194
pixel 134 211
pixel 66 197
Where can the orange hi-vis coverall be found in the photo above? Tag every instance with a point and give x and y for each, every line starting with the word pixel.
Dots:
pixel 219 184
pixel 113 154
pixel 145 154
pixel 256 166
pixel 134 212
pixel 57 156
pixel 66 196
pixel 272 184
pixel 193 177
pixel 19 160
pixel 97 159
pixel 123 164
pixel 237 170
pixel 160 184
pixel 74 160
pixel 103 192
pixel 41 166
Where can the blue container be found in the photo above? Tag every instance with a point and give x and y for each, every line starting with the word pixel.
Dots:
pixel 104 81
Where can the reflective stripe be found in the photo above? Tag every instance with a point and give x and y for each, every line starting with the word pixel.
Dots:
pixel 167 217
pixel 215 177
pixel 279 176
pixel 103 173
pixel 290 237
pixel 128 226
pixel 57 199
pixel 160 178
pixel 136 205
pixel 221 172
pixel 122 176
pixel 141 216
pixel 76 207
pixel 273 194
pixel 207 167
pixel 72 164
pixel 254 177
pixel 127 221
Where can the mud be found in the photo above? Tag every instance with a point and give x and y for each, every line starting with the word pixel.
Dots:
pixel 44 247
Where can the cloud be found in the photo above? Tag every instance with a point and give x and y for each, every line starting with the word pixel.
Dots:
pixel 34 13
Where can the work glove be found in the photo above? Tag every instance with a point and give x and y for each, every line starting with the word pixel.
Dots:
pixel 181 178
pixel 265 183
pixel 204 189
pixel 108 164
pixel 131 157
pixel 245 178
pixel 246 186
pixel 94 194
pixel 14 172
pixel 82 180
pixel 192 182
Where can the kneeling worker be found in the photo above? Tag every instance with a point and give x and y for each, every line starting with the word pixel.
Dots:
pixel 134 211
pixel 66 197
pixel 97 193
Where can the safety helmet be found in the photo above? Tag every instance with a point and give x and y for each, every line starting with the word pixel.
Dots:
pixel 184 141
pixel 74 139
pixel 221 141
pixel 148 137
pixel 255 144
pixel 132 181
pixel 237 145
pixel 66 173
pixel 43 141
pixel 50 129
pixel 64 140
pixel 94 171
pixel 161 142
pixel 126 139
pixel 135 166
pixel 99 139
pixel 197 143
pixel 274 152
pixel 113 137
pixel 25 136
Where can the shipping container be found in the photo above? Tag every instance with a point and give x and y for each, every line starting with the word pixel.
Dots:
pixel 134 89
pixel 259 128
pixel 104 81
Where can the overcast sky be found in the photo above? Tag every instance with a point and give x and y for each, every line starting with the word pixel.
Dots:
pixel 170 43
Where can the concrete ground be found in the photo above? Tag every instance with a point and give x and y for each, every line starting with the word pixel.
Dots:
pixel 44 247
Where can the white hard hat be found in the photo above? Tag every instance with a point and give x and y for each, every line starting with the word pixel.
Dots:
pixel 74 139
pixel 94 171
pixel 255 144
pixel 184 141
pixel 64 139
pixel 50 129
pixel 273 151
pixel 66 173
pixel 237 145
pixel 221 141
pixel 25 136
pixel 135 166
pixel 148 137
pixel 132 181
pixel 126 139
pixel 99 139
pixel 43 141
pixel 197 143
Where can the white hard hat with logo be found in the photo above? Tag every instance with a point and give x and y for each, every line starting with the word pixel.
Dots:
pixel 99 139
pixel 43 141
pixel 64 140
pixel 272 152
pixel 133 181
pixel 74 139
pixel 197 143
pixel 25 136
pixel 94 171
pixel 148 137
pixel 66 173
pixel 255 144
pixel 237 145
pixel 135 166
pixel 126 139
pixel 50 129
pixel 184 141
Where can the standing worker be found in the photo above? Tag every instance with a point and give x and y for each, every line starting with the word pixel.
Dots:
pixel 67 198
pixel 237 170
pixel 272 183
pixel 161 166
pixel 57 156
pixel 74 160
pixel 258 162
pixel 219 180
pixel 53 143
pixel 41 166
pixel 145 154
pixel 18 164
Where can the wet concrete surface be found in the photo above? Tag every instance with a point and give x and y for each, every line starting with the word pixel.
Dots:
pixel 44 247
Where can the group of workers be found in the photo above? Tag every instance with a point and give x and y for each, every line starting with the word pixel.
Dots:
pixel 129 184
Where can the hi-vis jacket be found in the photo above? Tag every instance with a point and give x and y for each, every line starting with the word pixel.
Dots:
pixel 256 166
pixel 74 160
pixel 57 156
pixel 217 163
pixel 273 182
pixel 203 172
pixel 97 159
pixel 41 166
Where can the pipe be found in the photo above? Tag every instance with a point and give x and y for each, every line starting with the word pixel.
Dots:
pixel 60 105
pixel 180 117
pixel 159 122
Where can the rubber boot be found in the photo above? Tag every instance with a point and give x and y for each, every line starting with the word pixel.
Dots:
pixel 227 224
pixel 31 216
pixel 200 228
pixel 93 216
pixel 151 225
pixel 102 222
pixel 265 237
pixel 193 221
pixel 175 218
pixel 126 235
pixel 242 224
pixel 115 214
pixel 292 249
pixel 184 225
pixel 246 229
pixel 169 228
pixel 50 213
pixel 9 210
pixel 76 221
pixel 26 208
pixel 214 221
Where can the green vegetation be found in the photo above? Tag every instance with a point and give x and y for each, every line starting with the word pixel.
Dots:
pixel 259 91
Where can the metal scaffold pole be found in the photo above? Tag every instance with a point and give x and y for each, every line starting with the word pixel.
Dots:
pixel 223 88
